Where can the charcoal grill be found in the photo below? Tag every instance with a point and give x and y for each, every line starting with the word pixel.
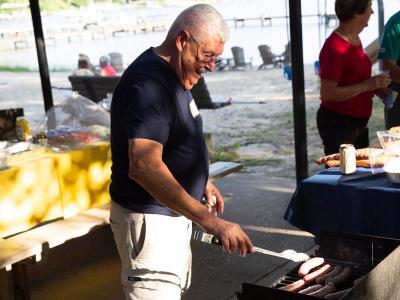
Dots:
pixel 359 252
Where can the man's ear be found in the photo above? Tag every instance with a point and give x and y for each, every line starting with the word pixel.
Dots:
pixel 181 39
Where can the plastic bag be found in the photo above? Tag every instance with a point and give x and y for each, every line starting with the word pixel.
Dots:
pixel 75 123
pixel 77 112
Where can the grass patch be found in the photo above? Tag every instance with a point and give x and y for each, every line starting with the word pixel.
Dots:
pixel 377 120
pixel 250 162
pixel 14 69
pixel 17 69
pixel 60 70
pixel 224 153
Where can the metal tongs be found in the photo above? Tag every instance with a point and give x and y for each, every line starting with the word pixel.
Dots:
pixel 287 254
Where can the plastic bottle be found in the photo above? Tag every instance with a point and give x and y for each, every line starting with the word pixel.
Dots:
pixel 22 129
pixel 287 72
pixel 388 100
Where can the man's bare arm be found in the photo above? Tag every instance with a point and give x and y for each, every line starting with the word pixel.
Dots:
pixel 147 169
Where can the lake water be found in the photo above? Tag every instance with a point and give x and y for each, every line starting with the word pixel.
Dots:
pixel 64 54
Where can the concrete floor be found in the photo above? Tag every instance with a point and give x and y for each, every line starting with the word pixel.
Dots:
pixel 88 268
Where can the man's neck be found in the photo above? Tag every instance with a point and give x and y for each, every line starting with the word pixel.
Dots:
pixel 162 52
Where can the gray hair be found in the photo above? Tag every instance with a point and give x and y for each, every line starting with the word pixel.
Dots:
pixel 201 20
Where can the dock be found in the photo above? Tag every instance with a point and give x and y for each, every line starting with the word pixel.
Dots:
pixel 323 19
pixel 20 38
pixel 240 22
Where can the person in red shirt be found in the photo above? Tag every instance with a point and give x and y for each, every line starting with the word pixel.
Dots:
pixel 106 68
pixel 347 87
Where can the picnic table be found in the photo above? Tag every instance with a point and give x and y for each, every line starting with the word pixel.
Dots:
pixel 49 198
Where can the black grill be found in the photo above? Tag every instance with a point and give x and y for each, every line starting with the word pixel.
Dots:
pixel 359 252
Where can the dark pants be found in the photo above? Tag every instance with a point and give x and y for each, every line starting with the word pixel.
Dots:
pixel 392 115
pixel 336 129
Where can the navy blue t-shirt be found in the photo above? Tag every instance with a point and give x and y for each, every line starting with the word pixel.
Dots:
pixel 149 102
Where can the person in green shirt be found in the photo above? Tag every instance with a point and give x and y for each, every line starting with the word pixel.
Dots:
pixel 389 53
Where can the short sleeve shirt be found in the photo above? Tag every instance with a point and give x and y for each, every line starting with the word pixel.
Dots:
pixel 390 43
pixel 149 102
pixel 346 64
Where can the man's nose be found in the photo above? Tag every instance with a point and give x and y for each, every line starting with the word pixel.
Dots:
pixel 210 66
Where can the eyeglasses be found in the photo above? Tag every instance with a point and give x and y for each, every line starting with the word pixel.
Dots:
pixel 207 59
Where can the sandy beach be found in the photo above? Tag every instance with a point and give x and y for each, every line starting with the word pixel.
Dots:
pixel 261 134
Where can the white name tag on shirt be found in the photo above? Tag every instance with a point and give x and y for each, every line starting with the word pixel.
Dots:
pixel 193 109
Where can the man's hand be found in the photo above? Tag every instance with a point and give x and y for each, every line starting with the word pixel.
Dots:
pixel 232 237
pixel 215 202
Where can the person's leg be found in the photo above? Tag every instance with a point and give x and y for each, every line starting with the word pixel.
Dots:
pixel 336 129
pixel 393 115
pixel 155 253
pixel 362 138
pixel 329 130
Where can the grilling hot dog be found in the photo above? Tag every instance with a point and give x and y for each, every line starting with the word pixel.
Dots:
pixel 312 263
pixel 295 286
pixel 314 275
pixel 340 278
pixel 336 270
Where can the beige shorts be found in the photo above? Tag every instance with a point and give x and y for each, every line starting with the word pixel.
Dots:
pixel 155 253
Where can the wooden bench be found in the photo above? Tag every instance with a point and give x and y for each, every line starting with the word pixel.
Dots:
pixel 33 245
pixel 222 168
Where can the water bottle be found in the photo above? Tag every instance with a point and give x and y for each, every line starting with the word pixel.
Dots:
pixel 388 100
pixel 287 72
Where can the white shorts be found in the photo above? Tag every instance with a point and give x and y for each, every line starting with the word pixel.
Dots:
pixel 155 253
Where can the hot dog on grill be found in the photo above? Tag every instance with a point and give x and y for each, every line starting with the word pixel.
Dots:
pixel 327 289
pixel 311 289
pixel 336 270
pixel 295 286
pixel 312 263
pixel 340 278
pixel 337 295
pixel 314 275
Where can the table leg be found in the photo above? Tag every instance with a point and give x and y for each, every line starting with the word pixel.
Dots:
pixel 6 285
pixel 21 284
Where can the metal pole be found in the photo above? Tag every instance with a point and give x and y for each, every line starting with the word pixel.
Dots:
pixel 299 111
pixel 325 21
pixel 381 21
pixel 41 53
pixel 319 25
pixel 286 20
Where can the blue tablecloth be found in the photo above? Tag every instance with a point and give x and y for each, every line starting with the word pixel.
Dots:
pixel 362 203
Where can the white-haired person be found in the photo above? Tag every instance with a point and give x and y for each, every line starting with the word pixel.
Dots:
pixel 106 69
pixel 160 160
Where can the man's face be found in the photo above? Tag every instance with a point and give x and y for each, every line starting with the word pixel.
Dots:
pixel 197 57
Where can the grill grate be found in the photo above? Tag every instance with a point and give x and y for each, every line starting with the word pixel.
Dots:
pixel 360 253
pixel 356 273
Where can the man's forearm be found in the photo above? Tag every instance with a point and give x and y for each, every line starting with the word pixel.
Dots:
pixel 157 180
